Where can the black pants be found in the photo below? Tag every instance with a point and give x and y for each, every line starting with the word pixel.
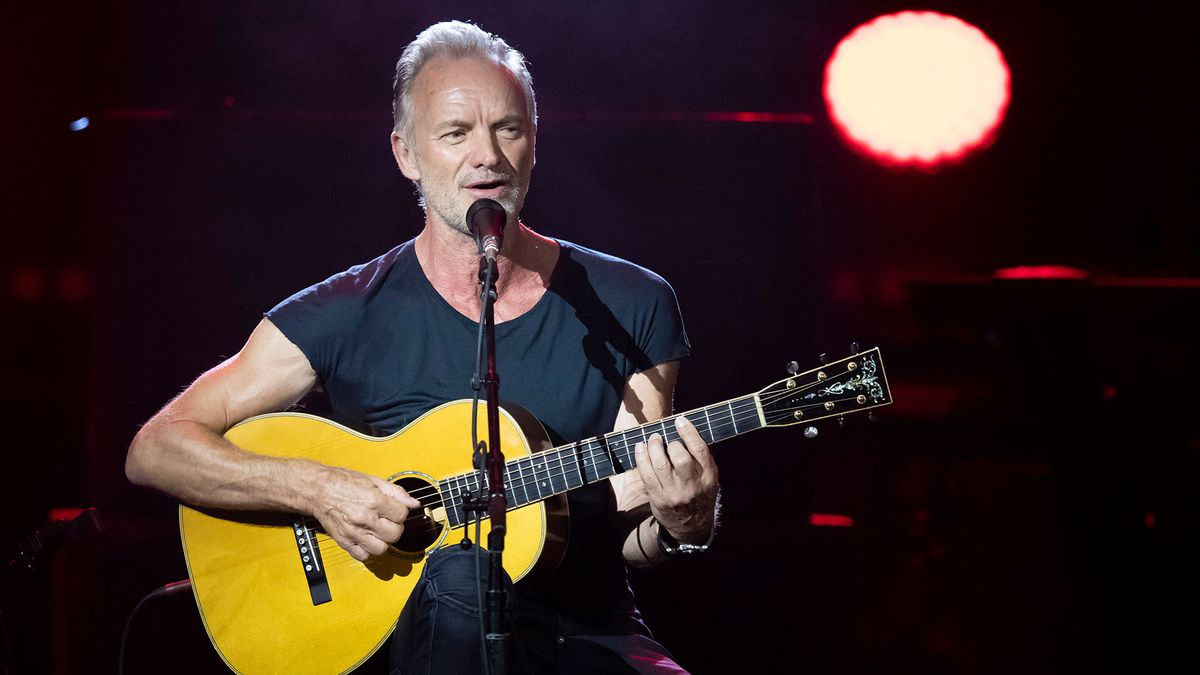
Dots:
pixel 438 631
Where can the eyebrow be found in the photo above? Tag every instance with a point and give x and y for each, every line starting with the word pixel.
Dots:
pixel 451 124
pixel 518 120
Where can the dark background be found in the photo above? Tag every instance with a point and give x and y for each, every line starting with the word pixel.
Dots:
pixel 1024 506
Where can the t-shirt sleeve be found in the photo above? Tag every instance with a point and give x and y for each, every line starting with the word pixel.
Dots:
pixel 318 320
pixel 660 335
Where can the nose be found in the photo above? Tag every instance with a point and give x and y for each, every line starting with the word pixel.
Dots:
pixel 485 151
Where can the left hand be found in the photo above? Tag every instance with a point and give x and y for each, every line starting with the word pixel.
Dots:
pixel 681 482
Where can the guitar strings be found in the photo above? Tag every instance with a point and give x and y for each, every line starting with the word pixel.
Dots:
pixel 622 447
pixel 746 404
pixel 714 423
pixel 529 471
pixel 619 447
pixel 526 470
pixel 339 556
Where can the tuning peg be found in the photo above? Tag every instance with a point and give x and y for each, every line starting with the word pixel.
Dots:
pixel 823 358
pixel 853 347
pixel 810 432
pixel 841 421
pixel 793 367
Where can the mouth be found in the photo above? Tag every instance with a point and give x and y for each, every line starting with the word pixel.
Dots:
pixel 487 188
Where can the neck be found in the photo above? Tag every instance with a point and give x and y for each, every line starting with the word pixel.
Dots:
pixel 450 260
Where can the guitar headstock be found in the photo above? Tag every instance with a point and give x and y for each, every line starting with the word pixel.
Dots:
pixel 853 384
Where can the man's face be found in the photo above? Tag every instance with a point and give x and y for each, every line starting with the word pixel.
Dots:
pixel 471 138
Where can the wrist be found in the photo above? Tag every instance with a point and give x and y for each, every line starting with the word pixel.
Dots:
pixel 306 482
pixel 669 545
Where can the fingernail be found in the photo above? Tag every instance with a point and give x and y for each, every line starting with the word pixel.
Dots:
pixel 639 448
pixel 681 421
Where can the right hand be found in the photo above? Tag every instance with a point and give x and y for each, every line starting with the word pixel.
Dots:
pixel 362 513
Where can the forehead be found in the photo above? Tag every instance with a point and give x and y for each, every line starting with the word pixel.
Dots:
pixel 446 84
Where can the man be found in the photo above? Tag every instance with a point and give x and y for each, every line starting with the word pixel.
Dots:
pixel 586 342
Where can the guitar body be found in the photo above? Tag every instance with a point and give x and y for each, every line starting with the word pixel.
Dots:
pixel 259 588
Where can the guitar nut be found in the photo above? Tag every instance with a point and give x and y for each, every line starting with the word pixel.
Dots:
pixel 791 384
pixel 829 405
pixel 851 366
pixel 821 376
pixel 798 414
pixel 861 399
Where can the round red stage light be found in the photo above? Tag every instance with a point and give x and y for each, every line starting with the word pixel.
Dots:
pixel 917 88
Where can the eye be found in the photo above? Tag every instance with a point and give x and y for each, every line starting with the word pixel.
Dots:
pixel 454 134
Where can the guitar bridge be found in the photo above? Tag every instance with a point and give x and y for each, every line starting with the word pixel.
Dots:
pixel 310 560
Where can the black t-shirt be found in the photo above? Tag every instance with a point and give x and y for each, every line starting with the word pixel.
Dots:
pixel 387 348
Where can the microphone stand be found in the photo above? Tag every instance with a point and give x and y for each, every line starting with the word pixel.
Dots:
pixel 496 628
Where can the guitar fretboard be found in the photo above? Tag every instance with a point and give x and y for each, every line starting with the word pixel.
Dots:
pixel 558 470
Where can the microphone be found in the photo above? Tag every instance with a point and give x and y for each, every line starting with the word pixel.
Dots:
pixel 485 220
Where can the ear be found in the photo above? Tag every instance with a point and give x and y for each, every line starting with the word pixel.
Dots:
pixel 405 157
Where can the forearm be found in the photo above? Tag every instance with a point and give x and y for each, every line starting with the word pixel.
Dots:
pixel 195 464
pixel 641 547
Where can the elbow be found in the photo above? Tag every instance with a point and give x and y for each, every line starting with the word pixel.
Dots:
pixel 137 460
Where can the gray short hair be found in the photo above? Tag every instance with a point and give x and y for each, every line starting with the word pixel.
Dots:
pixel 455 39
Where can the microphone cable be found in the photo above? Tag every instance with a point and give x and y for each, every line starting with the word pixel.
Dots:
pixel 170 589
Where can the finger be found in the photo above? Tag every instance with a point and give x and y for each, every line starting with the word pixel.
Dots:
pixel 683 464
pixel 356 551
pixel 388 506
pixel 392 510
pixel 388 530
pixel 658 458
pixel 373 544
pixel 649 477
pixel 398 493
pixel 695 442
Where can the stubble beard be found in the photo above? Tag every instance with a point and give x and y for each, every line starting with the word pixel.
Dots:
pixel 452 213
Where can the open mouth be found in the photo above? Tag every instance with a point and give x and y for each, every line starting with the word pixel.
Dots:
pixel 487 185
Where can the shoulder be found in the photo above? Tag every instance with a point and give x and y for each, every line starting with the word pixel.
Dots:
pixel 353 286
pixel 610 273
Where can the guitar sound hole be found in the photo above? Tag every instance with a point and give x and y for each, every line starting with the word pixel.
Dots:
pixel 421 531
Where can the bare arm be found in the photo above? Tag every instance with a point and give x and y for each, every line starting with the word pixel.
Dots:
pixel 181 451
pixel 675 486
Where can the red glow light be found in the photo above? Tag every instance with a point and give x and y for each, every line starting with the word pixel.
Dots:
pixel 1041 272
pixel 917 88
pixel 829 520
pixel 64 513
pixel 27 283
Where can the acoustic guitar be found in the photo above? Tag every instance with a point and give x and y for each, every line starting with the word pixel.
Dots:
pixel 277 595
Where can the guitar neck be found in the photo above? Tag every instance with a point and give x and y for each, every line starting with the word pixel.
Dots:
pixel 567 467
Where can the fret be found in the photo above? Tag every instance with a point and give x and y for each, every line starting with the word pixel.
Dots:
pixel 546 476
pixel 446 491
pixel 733 417
pixel 588 456
pixel 606 459
pixel 711 436
pixel 458 491
pixel 535 478
pixel 555 476
pixel 562 475
pixel 520 482
pixel 582 461
pixel 571 469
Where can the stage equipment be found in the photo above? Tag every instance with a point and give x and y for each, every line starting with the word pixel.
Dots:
pixel 917 88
